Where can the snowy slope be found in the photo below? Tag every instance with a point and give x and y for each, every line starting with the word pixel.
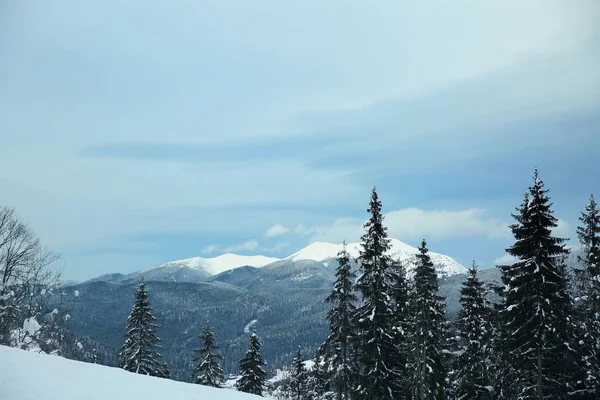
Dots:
pixel 321 251
pixel 195 269
pixel 26 375
pixel 216 265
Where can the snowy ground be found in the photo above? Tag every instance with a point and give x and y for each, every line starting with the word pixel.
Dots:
pixel 26 375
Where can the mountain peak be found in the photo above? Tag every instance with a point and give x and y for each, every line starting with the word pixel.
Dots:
pixel 403 252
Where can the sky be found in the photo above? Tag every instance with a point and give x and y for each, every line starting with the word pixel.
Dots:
pixel 138 132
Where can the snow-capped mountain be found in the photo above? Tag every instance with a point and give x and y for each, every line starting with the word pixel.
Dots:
pixel 216 265
pixel 322 251
pixel 199 269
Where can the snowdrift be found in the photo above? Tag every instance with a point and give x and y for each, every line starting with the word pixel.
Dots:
pixel 26 375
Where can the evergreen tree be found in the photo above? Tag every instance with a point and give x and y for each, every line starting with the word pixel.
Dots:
pixel 298 379
pixel 163 371
pixel 589 238
pixel 208 371
pixel 253 375
pixel 537 306
pixel 472 367
pixel 139 352
pixel 426 331
pixel 401 323
pixel 317 383
pixel 336 349
pixel 378 371
pixel 501 371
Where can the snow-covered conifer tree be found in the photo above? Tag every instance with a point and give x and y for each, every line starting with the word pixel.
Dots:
pixel 589 238
pixel 318 382
pixel 537 306
pixel 336 349
pixel 401 325
pixel 298 380
pixel 208 371
pixel 378 370
pixel 139 352
pixel 426 332
pixel 472 367
pixel 253 376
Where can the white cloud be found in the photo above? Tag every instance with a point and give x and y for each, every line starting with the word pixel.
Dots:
pixel 213 248
pixel 275 248
pixel 248 245
pixel 562 229
pixel 277 230
pixel 506 259
pixel 415 223
pixel 304 230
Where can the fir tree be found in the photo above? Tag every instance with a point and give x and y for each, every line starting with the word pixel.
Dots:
pixel 400 322
pixel 139 352
pixel 503 370
pixel 426 331
pixel 537 306
pixel 589 238
pixel 472 367
pixel 298 389
pixel 336 349
pixel 163 371
pixel 317 382
pixel 208 371
pixel 377 369
pixel 253 375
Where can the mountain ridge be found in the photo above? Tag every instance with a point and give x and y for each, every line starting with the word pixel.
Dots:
pixel 200 269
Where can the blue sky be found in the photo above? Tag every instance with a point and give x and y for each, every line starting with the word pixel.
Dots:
pixel 138 132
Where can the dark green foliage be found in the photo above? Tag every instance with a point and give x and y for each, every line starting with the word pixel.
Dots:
pixel 376 357
pixel 400 327
pixel 298 380
pixel 208 371
pixel 589 308
pixel 139 352
pixel 537 306
pixel 336 349
pixel 253 376
pixel 472 377
pixel 426 332
pixel 318 383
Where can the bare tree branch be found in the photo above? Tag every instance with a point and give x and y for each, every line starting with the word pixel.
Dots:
pixel 27 275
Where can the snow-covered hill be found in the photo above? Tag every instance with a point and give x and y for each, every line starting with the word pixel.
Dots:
pixel 216 265
pixel 322 251
pixel 25 375
pixel 196 269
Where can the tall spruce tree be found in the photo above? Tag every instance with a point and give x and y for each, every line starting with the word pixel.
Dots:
pixel 336 349
pixel 401 324
pixel 139 352
pixel 537 305
pixel 208 371
pixel 426 332
pixel 504 372
pixel 318 382
pixel 589 238
pixel 376 354
pixel 473 365
pixel 253 376
pixel 298 380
